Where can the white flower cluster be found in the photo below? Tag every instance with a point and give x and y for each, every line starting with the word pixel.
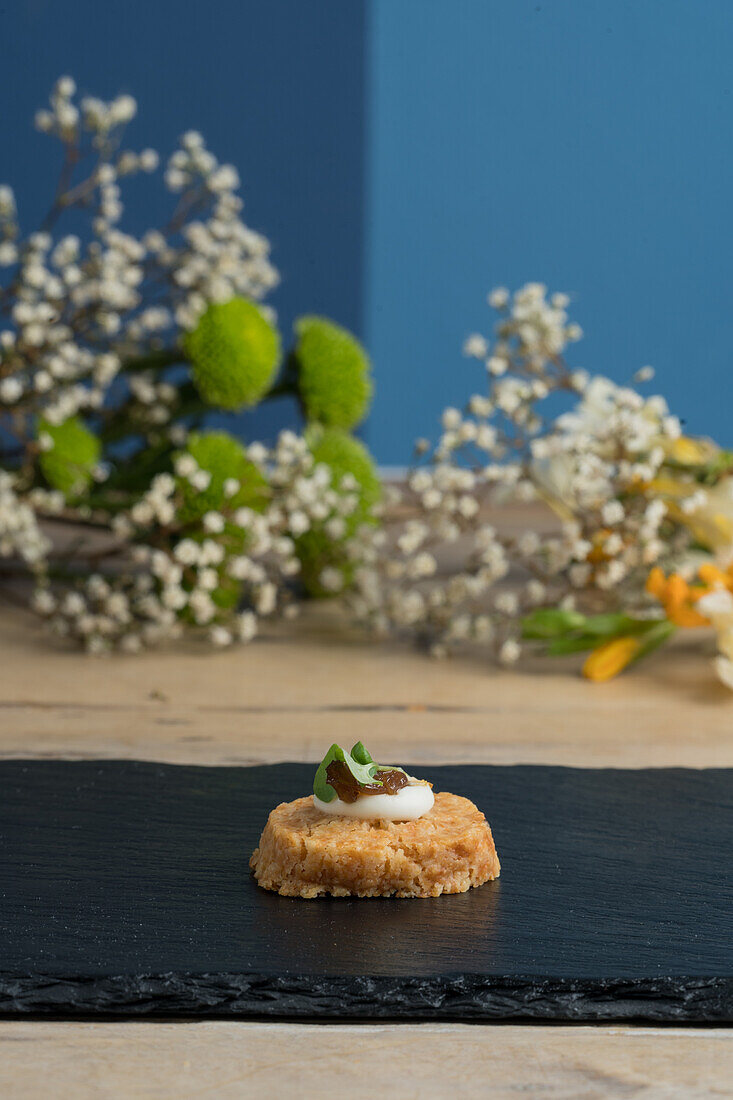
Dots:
pixel 90 323
pixel 590 464
pixel 594 466
pixel 65 120
pixel 220 572
pixel 72 311
pixel 717 606
pixel 8 227
pixel 20 535
pixel 219 256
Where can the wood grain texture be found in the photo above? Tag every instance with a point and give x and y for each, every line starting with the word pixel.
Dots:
pixel 231 1061
pixel 191 708
pixel 288 695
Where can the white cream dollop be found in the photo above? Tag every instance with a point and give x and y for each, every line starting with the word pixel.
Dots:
pixel 409 803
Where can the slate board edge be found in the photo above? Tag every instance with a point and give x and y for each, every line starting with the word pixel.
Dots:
pixel 674 1000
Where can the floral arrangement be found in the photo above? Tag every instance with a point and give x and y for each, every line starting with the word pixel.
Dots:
pixel 641 512
pixel 115 350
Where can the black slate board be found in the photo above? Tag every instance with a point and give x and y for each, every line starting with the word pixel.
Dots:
pixel 124 890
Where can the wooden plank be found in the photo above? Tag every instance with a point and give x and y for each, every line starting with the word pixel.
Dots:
pixel 287 696
pixel 283 699
pixel 233 1060
pixel 321 660
pixel 626 737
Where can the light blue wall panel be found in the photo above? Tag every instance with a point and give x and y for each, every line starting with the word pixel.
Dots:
pixel 581 143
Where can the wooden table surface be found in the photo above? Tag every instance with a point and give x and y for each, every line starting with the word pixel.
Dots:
pixel 286 698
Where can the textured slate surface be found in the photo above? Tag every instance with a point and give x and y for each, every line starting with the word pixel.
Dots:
pixel 124 889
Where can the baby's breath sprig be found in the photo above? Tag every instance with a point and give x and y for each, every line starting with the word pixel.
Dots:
pixel 114 350
pixel 215 545
pixel 613 467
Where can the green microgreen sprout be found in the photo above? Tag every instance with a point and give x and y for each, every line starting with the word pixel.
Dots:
pixel 358 761
pixel 361 755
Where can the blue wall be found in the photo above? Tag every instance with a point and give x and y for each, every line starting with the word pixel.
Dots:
pixel 406 155
pixel 581 143
pixel 275 86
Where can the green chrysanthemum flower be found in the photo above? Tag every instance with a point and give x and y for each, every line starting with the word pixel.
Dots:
pixel 224 457
pixel 333 373
pixel 234 353
pixel 229 592
pixel 316 549
pixel 69 463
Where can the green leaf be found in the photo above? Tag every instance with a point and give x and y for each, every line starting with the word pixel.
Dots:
pixel 362 773
pixel 559 647
pixel 652 634
pixel 657 634
pixel 361 755
pixel 713 470
pixel 549 622
pixel 153 360
pixel 614 623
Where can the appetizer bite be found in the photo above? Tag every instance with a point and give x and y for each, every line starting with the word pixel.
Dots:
pixel 372 830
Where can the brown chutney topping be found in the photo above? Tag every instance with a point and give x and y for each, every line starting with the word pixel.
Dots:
pixel 348 789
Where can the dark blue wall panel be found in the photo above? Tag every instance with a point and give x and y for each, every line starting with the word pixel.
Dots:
pixel 275 86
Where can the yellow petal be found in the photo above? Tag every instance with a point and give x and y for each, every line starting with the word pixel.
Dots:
pixel 691 452
pixel 710 574
pixel 656 583
pixel 612 657
pixel 683 615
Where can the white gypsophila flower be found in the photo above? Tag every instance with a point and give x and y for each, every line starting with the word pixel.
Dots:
pixel 509 652
pixel 594 464
pixel 182 583
pixel 246 626
pixel 498 297
pixel 507 603
pixel 11 390
pixel 476 346
pixel 200 480
pixel 497 365
pixel 214 522
pixel 332 579
pixel 20 535
pixel 210 257
pixel 613 512
pixel 266 599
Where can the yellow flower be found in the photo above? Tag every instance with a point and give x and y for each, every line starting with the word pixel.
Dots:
pixel 597 554
pixel 690 452
pixel 709 518
pixel 711 522
pixel 714 577
pixel 612 657
pixel 677 597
